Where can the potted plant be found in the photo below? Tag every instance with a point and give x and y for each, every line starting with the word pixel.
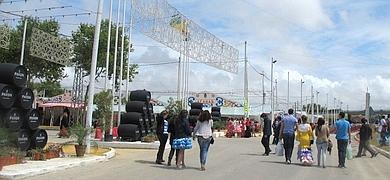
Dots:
pixel 80 132
pixel 103 112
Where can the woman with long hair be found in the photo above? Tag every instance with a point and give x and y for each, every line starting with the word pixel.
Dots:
pixel 182 138
pixel 322 134
pixel 204 134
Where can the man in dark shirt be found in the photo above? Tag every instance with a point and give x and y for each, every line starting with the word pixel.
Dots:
pixel 162 134
pixel 266 133
pixel 365 135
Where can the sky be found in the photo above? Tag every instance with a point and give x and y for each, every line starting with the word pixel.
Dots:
pixel 340 47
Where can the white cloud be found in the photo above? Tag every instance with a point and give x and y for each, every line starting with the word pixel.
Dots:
pixel 312 39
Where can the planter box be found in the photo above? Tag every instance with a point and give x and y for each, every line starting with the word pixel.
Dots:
pixel 38 156
pixel 52 154
pixel 8 160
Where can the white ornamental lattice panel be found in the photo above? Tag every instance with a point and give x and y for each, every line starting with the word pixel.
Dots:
pixel 5 34
pixel 49 47
pixel 160 21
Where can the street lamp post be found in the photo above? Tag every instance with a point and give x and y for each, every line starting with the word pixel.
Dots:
pixel 301 96
pixel 318 106
pixel 276 94
pixel 272 89
pixel 91 93
pixel 312 104
pixel 288 90
pixel 334 110
pixel 327 104
pixel 262 82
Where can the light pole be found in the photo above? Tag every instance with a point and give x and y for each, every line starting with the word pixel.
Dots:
pixel 318 106
pixel 276 94
pixel 115 65
pixel 23 41
pixel 91 93
pixel 301 95
pixel 121 62
pixel 108 46
pixel 312 104
pixel 262 82
pixel 334 110
pixel 288 90
pixel 272 89
pixel 327 104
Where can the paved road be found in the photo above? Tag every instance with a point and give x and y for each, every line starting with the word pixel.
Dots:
pixel 228 159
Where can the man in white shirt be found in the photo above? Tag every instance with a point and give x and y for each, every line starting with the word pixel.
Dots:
pixel 382 123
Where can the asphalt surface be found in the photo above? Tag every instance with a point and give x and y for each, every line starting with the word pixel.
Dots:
pixel 235 159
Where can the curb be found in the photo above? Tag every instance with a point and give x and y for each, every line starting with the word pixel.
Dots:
pixel 131 145
pixel 14 173
pixel 110 154
pixel 383 152
pixel 380 150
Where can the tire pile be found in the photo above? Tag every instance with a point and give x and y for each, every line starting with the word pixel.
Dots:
pixel 196 109
pixel 138 120
pixel 216 113
pixel 16 112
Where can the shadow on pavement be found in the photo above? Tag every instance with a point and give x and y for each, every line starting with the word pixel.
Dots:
pixel 173 167
pixel 144 162
pixel 298 164
pixel 249 154
pixel 164 166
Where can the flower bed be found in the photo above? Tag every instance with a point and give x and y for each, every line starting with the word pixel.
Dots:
pixel 52 151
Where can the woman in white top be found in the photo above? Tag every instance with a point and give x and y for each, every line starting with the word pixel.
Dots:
pixel 204 134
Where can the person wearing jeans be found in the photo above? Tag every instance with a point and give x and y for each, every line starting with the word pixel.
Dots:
pixel 287 132
pixel 204 134
pixel 162 135
pixel 343 136
pixel 322 134
pixel 204 144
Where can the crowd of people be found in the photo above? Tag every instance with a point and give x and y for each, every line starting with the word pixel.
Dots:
pixel 289 128
pixel 286 130
pixel 241 127
pixel 180 137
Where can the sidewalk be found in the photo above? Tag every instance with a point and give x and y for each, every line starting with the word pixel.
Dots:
pixel 33 168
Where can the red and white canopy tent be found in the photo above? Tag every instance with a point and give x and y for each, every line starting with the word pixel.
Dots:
pixel 62 100
pixel 54 106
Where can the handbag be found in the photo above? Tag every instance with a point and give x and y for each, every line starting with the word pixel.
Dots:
pixel 212 140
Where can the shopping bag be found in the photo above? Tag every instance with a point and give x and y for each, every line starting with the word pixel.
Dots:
pixel 279 150
pixel 349 152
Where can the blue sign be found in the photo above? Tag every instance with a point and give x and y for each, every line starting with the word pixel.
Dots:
pixel 191 100
pixel 219 101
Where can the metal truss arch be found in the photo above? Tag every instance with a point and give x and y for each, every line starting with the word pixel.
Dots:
pixel 160 21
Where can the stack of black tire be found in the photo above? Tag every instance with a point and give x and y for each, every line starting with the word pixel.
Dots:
pixel 216 113
pixel 16 112
pixel 138 120
pixel 196 109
